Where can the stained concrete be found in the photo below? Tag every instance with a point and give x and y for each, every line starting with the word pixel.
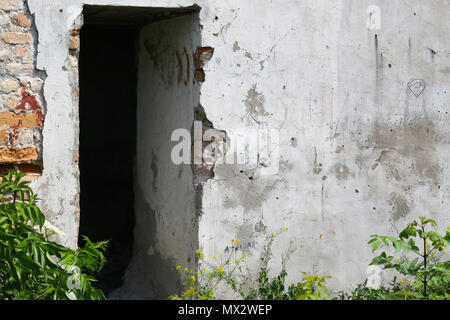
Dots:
pixel 329 83
pixel 166 226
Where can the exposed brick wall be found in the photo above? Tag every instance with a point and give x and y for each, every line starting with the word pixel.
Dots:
pixel 201 56
pixel 22 112
pixel 202 172
pixel 74 49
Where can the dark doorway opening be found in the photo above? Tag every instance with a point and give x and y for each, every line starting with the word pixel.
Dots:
pixel 109 104
pixel 108 80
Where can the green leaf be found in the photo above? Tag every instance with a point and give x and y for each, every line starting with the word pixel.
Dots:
pixel 36 255
pixel 32 214
pixel 408 232
pixel 447 237
pixel 427 221
pixel 432 235
pixel 412 245
pixel 27 263
pixel 381 259
pixel 3 220
pixel 50 259
pixel 40 217
pixel 398 245
pixel 18 272
pixel 375 243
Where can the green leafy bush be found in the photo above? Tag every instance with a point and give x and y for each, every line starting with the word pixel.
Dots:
pixel 234 272
pixel 363 292
pixel 32 266
pixel 425 275
pixel 430 277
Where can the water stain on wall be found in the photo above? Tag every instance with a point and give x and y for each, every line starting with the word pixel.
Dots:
pixel 414 141
pixel 341 171
pixel 245 235
pixel 254 103
pixel 247 190
pixel 163 63
pixel 400 207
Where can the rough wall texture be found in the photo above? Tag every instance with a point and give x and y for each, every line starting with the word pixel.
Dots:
pixel 360 153
pixel 363 148
pixel 166 222
pixel 21 100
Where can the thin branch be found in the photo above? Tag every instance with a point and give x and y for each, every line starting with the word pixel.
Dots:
pixel 416 253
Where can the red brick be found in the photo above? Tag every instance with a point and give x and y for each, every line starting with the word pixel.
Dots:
pixel 11 155
pixel 17 37
pixel 200 75
pixel 4 138
pixel 11 119
pixel 24 167
pixel 74 43
pixel 201 55
pixel 22 20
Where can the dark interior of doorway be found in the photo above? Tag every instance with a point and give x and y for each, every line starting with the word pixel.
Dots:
pixel 108 80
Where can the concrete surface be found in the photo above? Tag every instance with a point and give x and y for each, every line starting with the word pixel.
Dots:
pixel 361 152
